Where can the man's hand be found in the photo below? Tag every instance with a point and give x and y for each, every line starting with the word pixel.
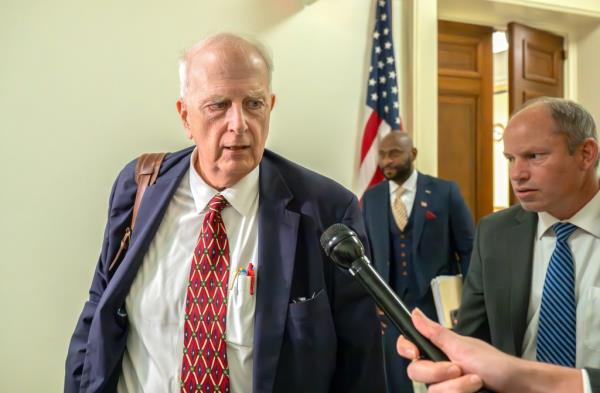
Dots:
pixel 474 363
pixel 462 374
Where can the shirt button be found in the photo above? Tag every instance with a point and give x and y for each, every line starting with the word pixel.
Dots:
pixel 402 245
pixel 404 264
pixel 404 273
pixel 403 254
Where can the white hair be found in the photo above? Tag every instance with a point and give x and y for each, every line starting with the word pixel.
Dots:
pixel 262 50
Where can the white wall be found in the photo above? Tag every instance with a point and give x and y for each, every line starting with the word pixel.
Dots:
pixel 588 75
pixel 87 86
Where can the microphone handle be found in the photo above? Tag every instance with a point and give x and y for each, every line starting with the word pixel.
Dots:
pixel 394 308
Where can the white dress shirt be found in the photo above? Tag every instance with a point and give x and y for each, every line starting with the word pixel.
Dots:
pixel 585 247
pixel 155 303
pixel 408 195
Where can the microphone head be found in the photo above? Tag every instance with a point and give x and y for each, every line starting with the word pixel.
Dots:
pixel 342 245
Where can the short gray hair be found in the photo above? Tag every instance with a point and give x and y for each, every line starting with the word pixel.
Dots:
pixel 571 119
pixel 262 50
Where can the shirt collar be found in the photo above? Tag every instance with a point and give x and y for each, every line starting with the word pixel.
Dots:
pixel 587 218
pixel 240 195
pixel 409 185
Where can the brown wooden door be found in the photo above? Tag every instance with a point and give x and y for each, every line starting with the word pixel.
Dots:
pixel 535 68
pixel 465 112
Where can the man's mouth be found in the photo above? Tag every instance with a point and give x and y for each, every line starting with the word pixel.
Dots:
pixel 236 147
pixel 524 191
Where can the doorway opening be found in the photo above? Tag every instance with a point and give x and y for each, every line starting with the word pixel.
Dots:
pixel 501 114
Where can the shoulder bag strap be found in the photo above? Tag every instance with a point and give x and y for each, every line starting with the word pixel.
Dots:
pixel 146 172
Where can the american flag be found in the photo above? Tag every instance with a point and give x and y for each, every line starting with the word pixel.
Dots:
pixel 381 115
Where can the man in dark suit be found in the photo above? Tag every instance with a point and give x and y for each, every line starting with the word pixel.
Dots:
pixel 224 286
pixel 552 149
pixel 419 227
pixel 532 288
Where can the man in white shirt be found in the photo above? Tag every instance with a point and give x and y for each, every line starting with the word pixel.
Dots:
pixel 224 287
pixel 533 287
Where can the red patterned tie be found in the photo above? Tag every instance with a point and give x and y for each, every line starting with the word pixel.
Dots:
pixel 204 366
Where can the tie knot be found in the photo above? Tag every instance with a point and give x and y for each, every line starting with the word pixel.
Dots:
pixel 563 230
pixel 217 203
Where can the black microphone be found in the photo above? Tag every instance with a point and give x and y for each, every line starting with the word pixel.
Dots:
pixel 342 246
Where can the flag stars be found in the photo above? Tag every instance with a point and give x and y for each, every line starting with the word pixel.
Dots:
pixel 386 31
pixel 384 94
pixel 392 75
pixel 382 3
pixel 382 79
pixel 394 90
pixel 396 105
pixel 378 49
pixel 387 45
pixel 374 96
pixel 376 35
pixel 383 17
pixel 372 82
pixel 380 64
pixel 390 60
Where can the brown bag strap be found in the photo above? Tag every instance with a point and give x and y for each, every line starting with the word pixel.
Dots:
pixel 146 173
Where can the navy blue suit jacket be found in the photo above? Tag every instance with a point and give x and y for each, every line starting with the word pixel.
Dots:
pixel 442 229
pixel 328 344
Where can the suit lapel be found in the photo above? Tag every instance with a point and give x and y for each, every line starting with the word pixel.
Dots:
pixel 380 238
pixel 153 206
pixel 277 234
pixel 420 206
pixel 521 238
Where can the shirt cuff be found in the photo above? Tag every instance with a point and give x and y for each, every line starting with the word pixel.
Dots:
pixel 587 386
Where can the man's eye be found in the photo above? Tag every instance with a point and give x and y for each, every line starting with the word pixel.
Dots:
pixel 254 104
pixel 217 106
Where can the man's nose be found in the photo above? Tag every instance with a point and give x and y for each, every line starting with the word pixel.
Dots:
pixel 518 170
pixel 237 119
pixel 384 160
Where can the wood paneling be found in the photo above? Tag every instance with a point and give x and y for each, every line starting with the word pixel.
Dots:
pixel 535 64
pixel 465 112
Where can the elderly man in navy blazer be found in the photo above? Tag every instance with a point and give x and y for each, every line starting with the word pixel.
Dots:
pixel 419 227
pixel 224 287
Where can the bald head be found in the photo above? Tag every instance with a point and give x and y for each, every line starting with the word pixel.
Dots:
pixel 397 137
pixel 396 156
pixel 224 50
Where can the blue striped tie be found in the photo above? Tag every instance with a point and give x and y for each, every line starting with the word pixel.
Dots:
pixel 557 332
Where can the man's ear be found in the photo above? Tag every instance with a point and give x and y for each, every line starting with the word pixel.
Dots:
pixel 589 153
pixel 414 153
pixel 183 114
pixel 273 101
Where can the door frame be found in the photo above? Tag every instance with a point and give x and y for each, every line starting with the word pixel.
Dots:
pixel 419 21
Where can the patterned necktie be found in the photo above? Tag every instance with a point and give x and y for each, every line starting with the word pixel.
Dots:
pixel 204 365
pixel 557 332
pixel 399 210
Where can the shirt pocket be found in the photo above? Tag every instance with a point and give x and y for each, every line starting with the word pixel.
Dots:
pixel 589 305
pixel 240 312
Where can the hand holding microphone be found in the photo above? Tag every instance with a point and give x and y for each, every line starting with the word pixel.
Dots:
pixel 343 247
